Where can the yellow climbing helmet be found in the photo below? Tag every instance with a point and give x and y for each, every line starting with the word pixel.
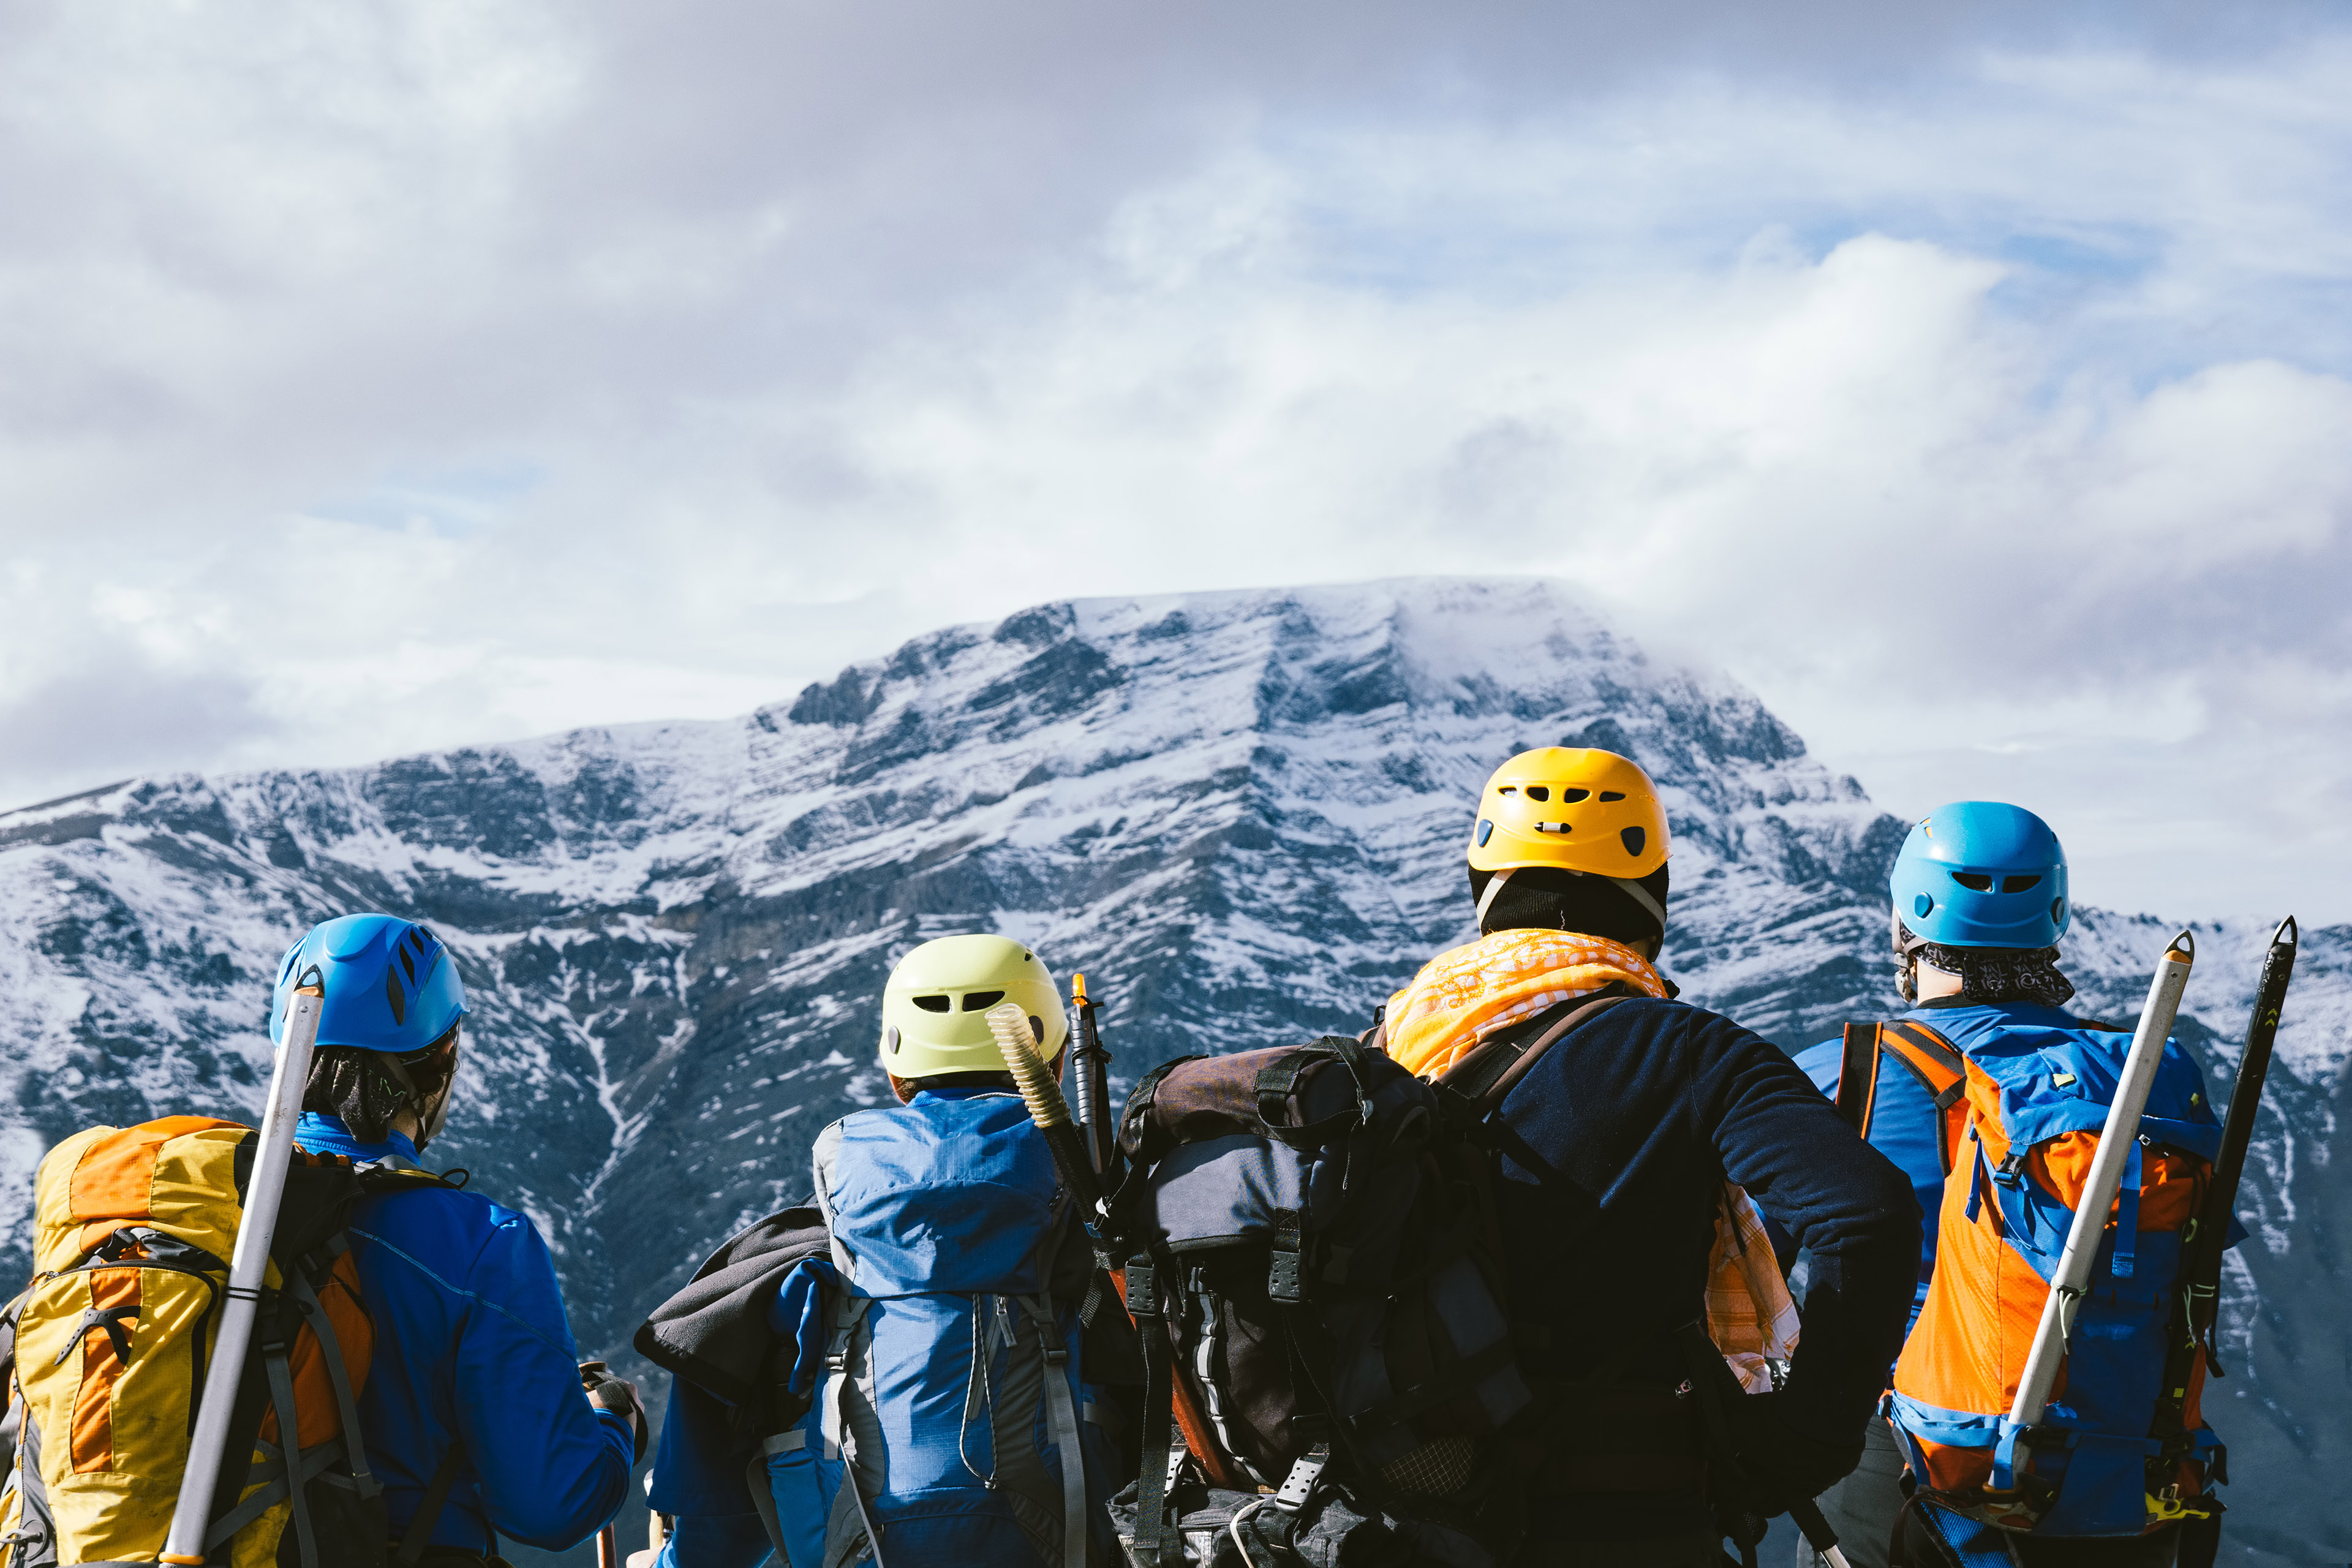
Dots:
pixel 934 1007
pixel 1575 807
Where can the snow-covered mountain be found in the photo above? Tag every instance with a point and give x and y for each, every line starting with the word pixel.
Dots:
pixel 1241 814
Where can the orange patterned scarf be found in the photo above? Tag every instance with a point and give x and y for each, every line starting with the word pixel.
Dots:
pixel 1461 997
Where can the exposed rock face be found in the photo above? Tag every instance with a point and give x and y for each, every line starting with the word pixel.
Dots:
pixel 1241 814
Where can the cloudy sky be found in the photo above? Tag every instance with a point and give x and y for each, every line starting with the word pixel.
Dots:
pixel 1973 381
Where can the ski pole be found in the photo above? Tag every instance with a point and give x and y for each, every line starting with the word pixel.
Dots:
pixel 608 1547
pixel 2203 1266
pixel 2071 1279
pixel 1088 1066
pixel 248 1264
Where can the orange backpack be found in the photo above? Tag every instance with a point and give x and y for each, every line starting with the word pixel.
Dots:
pixel 2031 1101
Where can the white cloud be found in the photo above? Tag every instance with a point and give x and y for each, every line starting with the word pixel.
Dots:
pixel 376 381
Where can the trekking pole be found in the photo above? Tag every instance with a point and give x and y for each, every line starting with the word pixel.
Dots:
pixel 2210 1235
pixel 2071 1279
pixel 608 1547
pixel 1088 1066
pixel 248 1264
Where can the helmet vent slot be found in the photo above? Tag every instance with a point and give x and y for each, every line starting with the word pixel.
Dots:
pixel 1607 796
pixel 1975 881
pixel 2019 884
pixel 973 1001
pixel 394 996
pixel 1633 838
pixel 1570 797
pixel 934 1003
pixel 1508 789
pixel 407 966
pixel 1538 792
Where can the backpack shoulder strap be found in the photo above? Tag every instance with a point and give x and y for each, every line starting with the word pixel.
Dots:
pixel 1857 1079
pixel 1941 1070
pixel 1488 1074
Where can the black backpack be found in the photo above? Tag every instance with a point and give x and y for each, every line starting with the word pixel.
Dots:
pixel 1321 1290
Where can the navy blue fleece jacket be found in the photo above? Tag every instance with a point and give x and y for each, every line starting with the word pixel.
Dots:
pixel 1616 1146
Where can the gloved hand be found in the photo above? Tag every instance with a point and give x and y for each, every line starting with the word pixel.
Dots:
pixel 620 1396
pixel 1784 1464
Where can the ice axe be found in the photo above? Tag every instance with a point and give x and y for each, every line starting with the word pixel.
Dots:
pixel 2117 1139
pixel 184 1545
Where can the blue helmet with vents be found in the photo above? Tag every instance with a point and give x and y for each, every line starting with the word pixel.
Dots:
pixel 1981 873
pixel 392 985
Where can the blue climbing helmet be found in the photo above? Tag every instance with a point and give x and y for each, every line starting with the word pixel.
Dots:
pixel 392 985
pixel 1982 873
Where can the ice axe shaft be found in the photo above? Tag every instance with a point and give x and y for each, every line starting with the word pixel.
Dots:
pixel 1088 1066
pixel 1048 1108
pixel 2213 1239
pixel 2073 1277
pixel 248 1266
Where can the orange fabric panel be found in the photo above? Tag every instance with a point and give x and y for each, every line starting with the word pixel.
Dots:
pixel 2172 1184
pixel 115 1177
pixel 1984 1301
pixel 317 1416
pixel 102 1369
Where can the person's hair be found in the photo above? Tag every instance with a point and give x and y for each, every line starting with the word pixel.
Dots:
pixel 1986 974
pixel 1548 897
pixel 364 1087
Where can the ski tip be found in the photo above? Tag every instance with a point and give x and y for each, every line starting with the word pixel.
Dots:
pixel 2183 948
pixel 2285 935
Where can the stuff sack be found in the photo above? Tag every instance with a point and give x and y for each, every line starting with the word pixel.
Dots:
pixel 945 1412
pixel 2036 1097
pixel 1321 1306
pixel 135 1227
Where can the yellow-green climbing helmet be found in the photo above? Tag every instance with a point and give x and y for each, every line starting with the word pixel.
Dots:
pixel 934 1008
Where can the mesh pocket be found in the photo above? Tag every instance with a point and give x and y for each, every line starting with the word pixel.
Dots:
pixel 1439 1468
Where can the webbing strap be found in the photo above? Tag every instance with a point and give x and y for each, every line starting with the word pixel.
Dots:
pixel 1940 1070
pixel 1487 1076
pixel 1282 1266
pixel 364 1481
pixel 1062 1408
pixel 847 1317
pixel 1156 1544
pixel 311 1465
pixel 290 1443
pixel 2127 1213
pixel 1858 1076
pixel 429 1505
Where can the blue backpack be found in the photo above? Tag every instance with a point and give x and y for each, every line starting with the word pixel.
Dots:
pixel 946 1372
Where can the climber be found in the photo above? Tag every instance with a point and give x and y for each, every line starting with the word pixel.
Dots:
pixel 940 1271
pixel 474 1408
pixel 1616 1150
pixel 1980 898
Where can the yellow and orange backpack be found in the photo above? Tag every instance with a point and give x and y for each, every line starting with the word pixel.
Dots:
pixel 135 1226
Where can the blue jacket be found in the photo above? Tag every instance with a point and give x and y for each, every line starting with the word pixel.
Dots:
pixel 472 1343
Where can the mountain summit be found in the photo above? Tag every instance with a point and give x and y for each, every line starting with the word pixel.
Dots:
pixel 1242 814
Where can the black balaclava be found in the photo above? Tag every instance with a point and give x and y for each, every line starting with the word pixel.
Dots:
pixel 368 1090
pixel 1549 897
pixel 1986 974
